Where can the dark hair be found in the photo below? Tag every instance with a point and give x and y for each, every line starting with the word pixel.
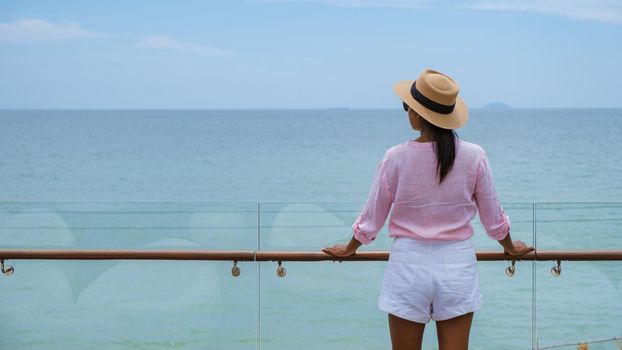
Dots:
pixel 445 146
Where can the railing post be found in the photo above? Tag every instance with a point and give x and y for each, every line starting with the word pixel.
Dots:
pixel 534 324
pixel 258 276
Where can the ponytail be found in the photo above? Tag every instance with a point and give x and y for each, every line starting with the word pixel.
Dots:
pixel 445 147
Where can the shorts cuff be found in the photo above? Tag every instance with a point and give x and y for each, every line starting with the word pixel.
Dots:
pixel 402 312
pixel 457 311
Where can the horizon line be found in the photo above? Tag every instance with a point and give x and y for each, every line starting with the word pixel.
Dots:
pixel 275 108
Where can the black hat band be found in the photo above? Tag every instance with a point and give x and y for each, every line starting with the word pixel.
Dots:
pixel 429 104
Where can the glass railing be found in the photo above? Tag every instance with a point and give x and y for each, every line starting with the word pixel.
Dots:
pixel 128 304
pixel 195 302
pixel 583 304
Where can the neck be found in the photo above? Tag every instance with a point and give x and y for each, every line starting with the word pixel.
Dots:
pixel 425 136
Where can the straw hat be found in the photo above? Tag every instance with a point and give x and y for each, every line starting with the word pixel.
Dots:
pixel 434 96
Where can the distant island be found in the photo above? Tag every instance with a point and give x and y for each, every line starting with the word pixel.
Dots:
pixel 497 105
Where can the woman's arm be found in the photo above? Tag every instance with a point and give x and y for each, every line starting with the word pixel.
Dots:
pixel 343 250
pixel 372 218
pixel 492 215
pixel 514 247
pixel 354 244
pixel 376 209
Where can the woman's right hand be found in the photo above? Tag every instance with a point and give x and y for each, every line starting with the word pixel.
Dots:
pixel 520 248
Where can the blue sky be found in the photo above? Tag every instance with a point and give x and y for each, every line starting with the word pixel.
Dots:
pixel 305 53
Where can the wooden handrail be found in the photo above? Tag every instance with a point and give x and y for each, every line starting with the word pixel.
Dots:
pixel 251 255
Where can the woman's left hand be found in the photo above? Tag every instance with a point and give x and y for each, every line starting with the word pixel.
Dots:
pixel 339 250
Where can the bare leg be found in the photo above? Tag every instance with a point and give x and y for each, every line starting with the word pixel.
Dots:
pixel 405 334
pixel 453 334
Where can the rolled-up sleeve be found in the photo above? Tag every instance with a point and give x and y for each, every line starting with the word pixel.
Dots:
pixel 374 214
pixel 491 214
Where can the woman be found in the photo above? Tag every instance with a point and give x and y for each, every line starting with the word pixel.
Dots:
pixel 435 184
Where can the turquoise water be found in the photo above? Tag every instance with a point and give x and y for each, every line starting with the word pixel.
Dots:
pixel 284 180
pixel 289 155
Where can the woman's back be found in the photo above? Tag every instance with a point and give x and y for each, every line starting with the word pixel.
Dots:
pixel 432 267
pixel 423 209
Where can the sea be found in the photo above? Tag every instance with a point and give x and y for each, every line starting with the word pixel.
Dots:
pixel 287 180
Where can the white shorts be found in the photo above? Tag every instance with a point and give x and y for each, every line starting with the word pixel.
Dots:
pixel 426 280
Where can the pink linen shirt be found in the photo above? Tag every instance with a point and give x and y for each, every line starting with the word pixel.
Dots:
pixel 406 180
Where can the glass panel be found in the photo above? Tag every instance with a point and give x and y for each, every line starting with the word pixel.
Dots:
pixel 583 303
pixel 319 305
pixel 123 304
pixel 507 300
pixel 140 225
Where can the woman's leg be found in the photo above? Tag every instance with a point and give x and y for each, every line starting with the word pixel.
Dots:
pixel 453 334
pixel 405 334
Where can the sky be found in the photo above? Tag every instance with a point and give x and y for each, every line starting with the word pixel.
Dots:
pixel 165 54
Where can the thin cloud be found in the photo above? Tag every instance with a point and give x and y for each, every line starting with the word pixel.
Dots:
pixel 37 30
pixel 33 30
pixel 591 10
pixel 357 3
pixel 382 3
pixel 609 11
pixel 167 42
